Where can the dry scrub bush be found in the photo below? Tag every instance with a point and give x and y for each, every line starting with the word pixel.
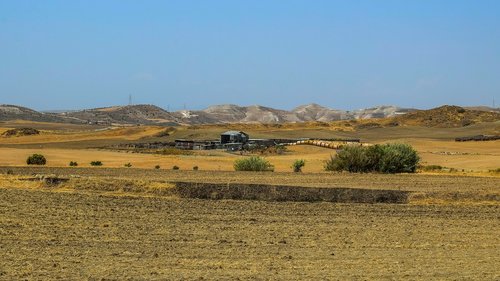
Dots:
pixel 36 159
pixel 253 163
pixel 496 171
pixel 298 165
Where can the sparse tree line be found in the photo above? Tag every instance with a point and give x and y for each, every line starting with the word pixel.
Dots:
pixel 380 158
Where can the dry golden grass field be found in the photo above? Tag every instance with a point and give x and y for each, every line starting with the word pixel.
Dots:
pixel 141 223
pixel 72 143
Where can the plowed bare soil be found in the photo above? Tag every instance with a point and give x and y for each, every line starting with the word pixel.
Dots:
pixel 90 235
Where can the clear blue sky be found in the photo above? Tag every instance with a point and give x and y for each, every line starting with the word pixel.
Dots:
pixel 342 54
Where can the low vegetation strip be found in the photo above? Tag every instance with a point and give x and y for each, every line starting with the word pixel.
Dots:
pixel 408 182
pixel 238 191
pixel 478 138
pixel 249 191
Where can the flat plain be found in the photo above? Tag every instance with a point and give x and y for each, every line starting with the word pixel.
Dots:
pixel 117 223
pixel 84 144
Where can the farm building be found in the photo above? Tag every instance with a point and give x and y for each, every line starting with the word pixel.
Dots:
pixel 234 137
pixel 196 145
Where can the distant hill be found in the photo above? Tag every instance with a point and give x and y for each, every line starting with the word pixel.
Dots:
pixel 444 116
pixel 448 116
pixel 316 112
pixel 230 113
pixel 381 112
pixel 483 108
pixel 14 112
pixel 130 114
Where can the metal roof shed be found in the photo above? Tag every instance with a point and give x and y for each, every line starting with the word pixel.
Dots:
pixel 234 137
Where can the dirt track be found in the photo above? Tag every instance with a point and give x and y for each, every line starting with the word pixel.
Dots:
pixel 90 235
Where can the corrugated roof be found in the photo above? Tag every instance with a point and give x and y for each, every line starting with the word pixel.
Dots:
pixel 232 133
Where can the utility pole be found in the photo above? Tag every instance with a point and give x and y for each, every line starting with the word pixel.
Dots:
pixel 129 99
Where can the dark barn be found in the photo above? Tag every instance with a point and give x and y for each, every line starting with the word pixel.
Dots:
pixel 234 137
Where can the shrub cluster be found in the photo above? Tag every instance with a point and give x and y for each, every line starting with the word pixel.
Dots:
pixel 497 170
pixel 21 132
pixel 96 163
pixel 298 165
pixel 253 163
pixel 385 158
pixel 278 149
pixel 36 159
pixel 73 164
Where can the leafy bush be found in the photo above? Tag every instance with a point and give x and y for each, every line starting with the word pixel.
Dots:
pixel 398 158
pixel 157 167
pixel 175 167
pixel 195 168
pixel 253 163
pixel 96 163
pixel 36 159
pixel 73 164
pixel 128 165
pixel 373 155
pixel 351 158
pixel 386 158
pixel 298 165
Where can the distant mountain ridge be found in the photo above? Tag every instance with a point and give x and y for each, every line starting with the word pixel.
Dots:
pixel 230 113
pixel 130 114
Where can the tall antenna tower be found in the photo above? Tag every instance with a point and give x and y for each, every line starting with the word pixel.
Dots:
pixel 494 102
pixel 129 99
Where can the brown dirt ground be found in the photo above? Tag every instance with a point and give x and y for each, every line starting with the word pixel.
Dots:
pixel 93 236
